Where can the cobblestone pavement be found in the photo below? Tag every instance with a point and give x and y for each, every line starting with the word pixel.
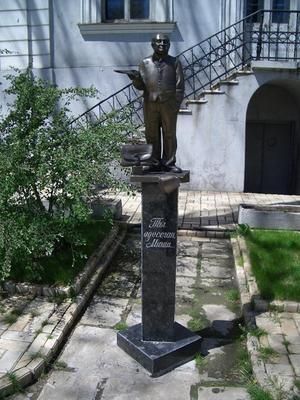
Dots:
pixel 92 365
pixel 281 364
pixel 206 210
pixel 17 332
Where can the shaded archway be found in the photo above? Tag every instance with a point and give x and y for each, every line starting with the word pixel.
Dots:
pixel 272 139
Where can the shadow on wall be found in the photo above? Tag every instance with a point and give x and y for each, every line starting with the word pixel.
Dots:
pixel 121 38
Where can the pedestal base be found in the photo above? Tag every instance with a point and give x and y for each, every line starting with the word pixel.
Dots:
pixel 160 357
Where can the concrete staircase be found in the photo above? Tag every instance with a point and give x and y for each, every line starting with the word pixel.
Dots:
pixel 209 133
pixel 219 88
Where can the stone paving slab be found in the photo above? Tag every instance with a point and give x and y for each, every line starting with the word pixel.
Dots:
pixel 9 359
pixel 216 312
pixel 96 368
pixel 28 344
pixel 105 313
pixel 186 266
pixel 224 393
pixel 135 315
pixel 276 342
pixel 18 336
pixel 279 370
pixel 214 272
pixel 295 360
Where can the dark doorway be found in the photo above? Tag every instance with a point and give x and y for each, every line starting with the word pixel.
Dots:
pixel 270 157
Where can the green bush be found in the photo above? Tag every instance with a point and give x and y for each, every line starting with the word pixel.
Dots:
pixel 48 170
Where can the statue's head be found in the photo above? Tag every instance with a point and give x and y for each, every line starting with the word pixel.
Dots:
pixel 160 44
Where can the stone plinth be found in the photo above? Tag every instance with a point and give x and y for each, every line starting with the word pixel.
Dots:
pixel 159 344
pixel 275 216
pixel 160 357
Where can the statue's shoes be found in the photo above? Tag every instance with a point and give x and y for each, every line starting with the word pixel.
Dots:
pixel 154 168
pixel 173 168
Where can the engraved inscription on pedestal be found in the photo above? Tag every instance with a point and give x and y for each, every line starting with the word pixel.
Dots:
pixel 156 237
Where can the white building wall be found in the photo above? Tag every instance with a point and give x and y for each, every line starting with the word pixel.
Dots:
pixel 47 34
pixel 24 32
pixel 212 141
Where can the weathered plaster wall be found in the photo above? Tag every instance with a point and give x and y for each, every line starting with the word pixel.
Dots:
pixel 211 141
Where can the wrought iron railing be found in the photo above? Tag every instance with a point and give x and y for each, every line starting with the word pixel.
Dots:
pixel 276 35
pixel 264 35
pixel 127 101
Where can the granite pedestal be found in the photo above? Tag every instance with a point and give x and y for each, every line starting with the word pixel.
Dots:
pixel 159 343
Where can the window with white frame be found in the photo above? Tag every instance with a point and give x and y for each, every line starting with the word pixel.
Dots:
pixel 126 10
pixel 126 16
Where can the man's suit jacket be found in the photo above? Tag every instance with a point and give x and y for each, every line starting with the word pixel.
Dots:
pixel 161 79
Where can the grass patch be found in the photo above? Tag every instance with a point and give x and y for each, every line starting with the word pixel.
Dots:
pixel 59 268
pixel 200 361
pixel 34 313
pixel 17 388
pixel 36 355
pixel 286 342
pixel 275 259
pixel 232 295
pixel 242 368
pixel 267 353
pixel 60 365
pixel 58 298
pixel 244 365
pixel 120 326
pixel 258 332
pixel 258 393
pixel 240 261
pixel 12 316
pixel 196 323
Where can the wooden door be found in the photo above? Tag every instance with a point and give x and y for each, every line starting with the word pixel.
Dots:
pixel 270 157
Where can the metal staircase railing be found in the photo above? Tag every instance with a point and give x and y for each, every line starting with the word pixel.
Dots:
pixel 263 35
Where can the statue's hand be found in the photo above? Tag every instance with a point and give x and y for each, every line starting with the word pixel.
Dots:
pixel 133 75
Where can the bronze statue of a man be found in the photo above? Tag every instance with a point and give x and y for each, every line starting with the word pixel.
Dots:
pixel 161 78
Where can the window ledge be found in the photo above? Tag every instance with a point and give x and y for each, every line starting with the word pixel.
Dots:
pixel 126 27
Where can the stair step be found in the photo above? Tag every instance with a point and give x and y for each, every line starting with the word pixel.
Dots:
pixel 201 100
pixel 244 72
pixel 216 91
pixel 185 111
pixel 229 82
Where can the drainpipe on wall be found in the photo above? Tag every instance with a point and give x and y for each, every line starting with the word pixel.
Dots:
pixel 51 36
pixel 29 35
